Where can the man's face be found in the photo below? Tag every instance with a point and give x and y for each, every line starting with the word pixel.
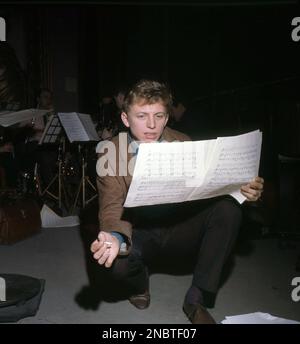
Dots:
pixel 146 121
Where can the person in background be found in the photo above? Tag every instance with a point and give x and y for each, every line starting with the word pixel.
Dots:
pixel 9 167
pixel 110 123
pixel 29 151
pixel 178 113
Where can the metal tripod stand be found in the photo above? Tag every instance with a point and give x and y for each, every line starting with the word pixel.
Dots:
pixel 60 194
pixel 84 182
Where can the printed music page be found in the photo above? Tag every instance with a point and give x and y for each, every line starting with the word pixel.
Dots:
pixel 161 171
pixel 78 127
pixel 8 118
pixel 89 126
pixel 172 172
pixel 73 127
pixel 234 162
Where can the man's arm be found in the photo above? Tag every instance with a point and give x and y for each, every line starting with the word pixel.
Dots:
pixel 115 233
pixel 113 230
pixel 112 194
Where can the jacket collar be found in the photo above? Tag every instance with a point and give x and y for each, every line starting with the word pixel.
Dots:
pixel 135 144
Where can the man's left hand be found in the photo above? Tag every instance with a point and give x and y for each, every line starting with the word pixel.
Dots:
pixel 253 190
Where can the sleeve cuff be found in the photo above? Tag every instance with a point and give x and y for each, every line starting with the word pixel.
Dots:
pixel 119 236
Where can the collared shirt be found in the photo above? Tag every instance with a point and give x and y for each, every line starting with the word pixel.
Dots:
pixel 135 144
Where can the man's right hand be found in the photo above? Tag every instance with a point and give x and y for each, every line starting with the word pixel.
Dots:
pixel 105 248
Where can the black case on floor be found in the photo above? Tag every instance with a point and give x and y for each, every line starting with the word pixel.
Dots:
pixel 23 297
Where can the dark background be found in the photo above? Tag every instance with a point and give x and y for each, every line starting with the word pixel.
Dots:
pixel 233 63
pixel 201 50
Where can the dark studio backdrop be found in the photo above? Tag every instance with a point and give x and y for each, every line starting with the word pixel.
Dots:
pixel 234 64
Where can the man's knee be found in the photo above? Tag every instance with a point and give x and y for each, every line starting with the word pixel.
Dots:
pixel 125 267
pixel 228 212
pixel 119 269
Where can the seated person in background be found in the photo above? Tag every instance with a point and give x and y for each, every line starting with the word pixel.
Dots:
pixel 131 239
pixel 177 114
pixel 8 162
pixel 30 152
pixel 110 114
pixel 37 124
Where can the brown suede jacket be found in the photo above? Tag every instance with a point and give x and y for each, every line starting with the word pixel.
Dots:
pixel 113 188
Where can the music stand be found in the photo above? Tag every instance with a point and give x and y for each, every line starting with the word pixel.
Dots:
pixel 84 181
pixel 81 130
pixel 52 131
pixel 53 134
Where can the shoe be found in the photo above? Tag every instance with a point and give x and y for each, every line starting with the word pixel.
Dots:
pixel 140 301
pixel 197 314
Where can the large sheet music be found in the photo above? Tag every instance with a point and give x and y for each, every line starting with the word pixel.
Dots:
pixel 79 127
pixel 8 118
pixel 172 172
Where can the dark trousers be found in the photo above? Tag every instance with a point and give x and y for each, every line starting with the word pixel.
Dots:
pixel 205 236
